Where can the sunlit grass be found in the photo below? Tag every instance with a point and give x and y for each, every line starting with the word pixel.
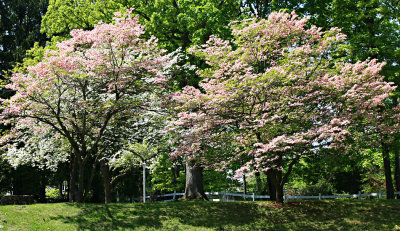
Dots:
pixel 202 215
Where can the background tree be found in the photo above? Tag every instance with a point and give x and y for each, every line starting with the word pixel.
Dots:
pixel 373 32
pixel 19 30
pixel 175 23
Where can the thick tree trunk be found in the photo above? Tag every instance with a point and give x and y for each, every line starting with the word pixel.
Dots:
pixel 276 181
pixel 258 183
pixel 81 185
pixel 279 194
pixel 194 182
pixel 271 189
pixel 72 180
pixel 397 170
pixel 105 172
pixel 388 171
pixel 89 183
pixel 42 192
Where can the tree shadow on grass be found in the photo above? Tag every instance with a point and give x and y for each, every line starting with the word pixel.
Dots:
pixel 339 215
pixel 151 216
pixel 200 215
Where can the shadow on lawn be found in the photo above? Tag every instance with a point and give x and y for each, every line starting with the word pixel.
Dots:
pixel 151 215
pixel 304 215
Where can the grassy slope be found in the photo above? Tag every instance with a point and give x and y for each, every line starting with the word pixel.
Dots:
pixel 198 215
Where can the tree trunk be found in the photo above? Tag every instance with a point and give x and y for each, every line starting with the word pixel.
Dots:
pixel 174 181
pixel 271 189
pixel 279 194
pixel 81 185
pixel 194 182
pixel 388 172
pixel 277 182
pixel 60 191
pixel 89 183
pixel 278 187
pixel 72 180
pixel 244 184
pixel 105 172
pixel 42 192
pixel 258 183
pixel 397 170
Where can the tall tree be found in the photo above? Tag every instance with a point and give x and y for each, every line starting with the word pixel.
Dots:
pixel 279 95
pixel 176 23
pixel 262 8
pixel 83 90
pixel 373 32
pixel 371 27
pixel 19 29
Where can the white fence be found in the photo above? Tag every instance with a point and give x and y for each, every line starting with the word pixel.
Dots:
pixel 231 196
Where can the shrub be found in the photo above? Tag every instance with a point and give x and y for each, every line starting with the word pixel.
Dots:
pixel 322 186
pixel 17 200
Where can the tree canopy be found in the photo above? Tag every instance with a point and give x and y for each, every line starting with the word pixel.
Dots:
pixel 278 95
pixel 83 91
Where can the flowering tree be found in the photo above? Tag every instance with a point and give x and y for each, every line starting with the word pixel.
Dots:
pixel 274 94
pixel 86 89
pixel 40 149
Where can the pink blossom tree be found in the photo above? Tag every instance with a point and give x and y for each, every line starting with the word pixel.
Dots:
pixel 85 92
pixel 274 94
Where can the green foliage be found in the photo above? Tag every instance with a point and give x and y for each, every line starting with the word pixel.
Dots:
pixel 373 176
pixel 176 23
pixel 35 54
pixel 63 16
pixel 5 178
pixel 263 184
pixel 262 9
pixel 19 30
pixel 342 170
pixel 215 181
pixel 322 186
pixel 52 193
pixel 167 175
pixel 184 22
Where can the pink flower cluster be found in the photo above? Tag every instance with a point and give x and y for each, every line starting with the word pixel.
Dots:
pixel 278 96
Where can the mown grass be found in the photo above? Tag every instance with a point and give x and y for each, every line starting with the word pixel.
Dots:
pixel 203 215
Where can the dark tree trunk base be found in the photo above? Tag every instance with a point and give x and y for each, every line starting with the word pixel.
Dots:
pixel 105 172
pixel 194 183
pixel 388 172
pixel 397 170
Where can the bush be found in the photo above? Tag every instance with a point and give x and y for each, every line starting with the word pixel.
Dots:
pixel 17 200
pixel 52 193
pixel 323 187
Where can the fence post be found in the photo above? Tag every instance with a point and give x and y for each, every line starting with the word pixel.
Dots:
pixel 254 196
pixel 380 194
pixel 359 195
pixel 174 197
pixel 319 196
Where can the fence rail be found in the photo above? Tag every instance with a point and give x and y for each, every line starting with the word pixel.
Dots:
pixel 226 196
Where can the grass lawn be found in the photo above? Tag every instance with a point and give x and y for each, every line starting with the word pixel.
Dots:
pixel 203 215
